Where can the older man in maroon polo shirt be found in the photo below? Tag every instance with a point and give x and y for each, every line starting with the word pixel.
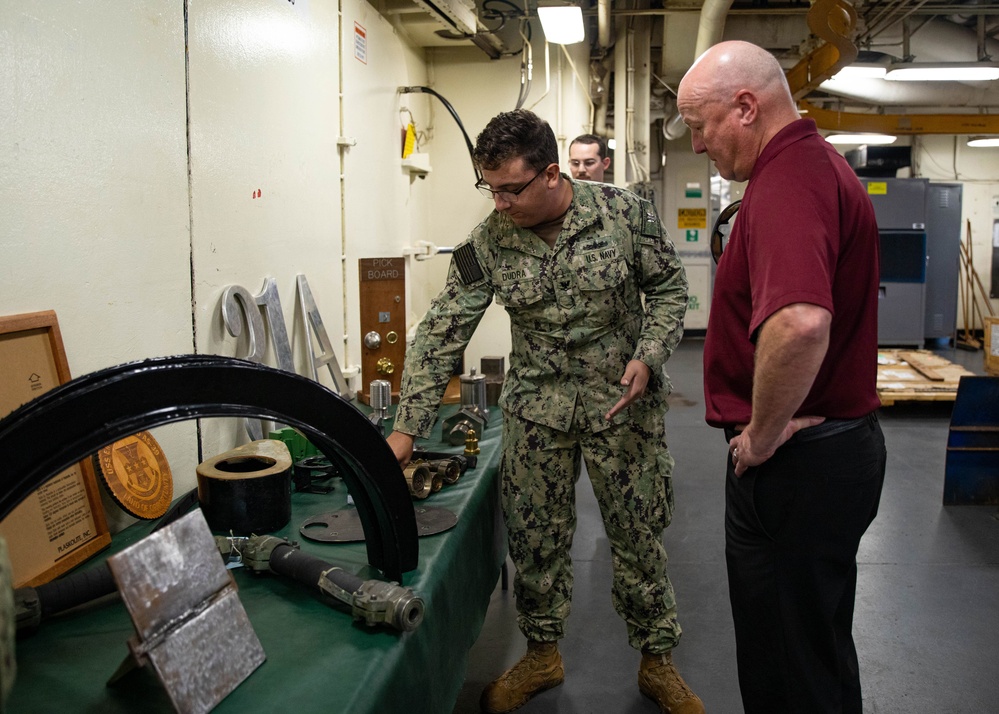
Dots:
pixel 790 367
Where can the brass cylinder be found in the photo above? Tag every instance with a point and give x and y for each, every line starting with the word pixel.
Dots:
pixel 419 479
pixel 449 470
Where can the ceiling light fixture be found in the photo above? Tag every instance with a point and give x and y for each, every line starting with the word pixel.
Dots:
pixel 860 71
pixel 562 24
pixel 867 65
pixel 983 141
pixel 942 71
pixel 860 139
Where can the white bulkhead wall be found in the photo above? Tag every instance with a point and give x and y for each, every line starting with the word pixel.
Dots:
pixel 93 160
pixel 264 117
pixel 132 239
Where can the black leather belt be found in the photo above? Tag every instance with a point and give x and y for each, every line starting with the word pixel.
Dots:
pixel 830 427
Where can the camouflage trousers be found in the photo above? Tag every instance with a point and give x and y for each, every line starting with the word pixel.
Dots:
pixel 630 469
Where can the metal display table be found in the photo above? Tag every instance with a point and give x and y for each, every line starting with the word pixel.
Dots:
pixel 318 658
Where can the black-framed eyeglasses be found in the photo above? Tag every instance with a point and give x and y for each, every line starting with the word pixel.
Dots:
pixel 508 196
pixel 719 234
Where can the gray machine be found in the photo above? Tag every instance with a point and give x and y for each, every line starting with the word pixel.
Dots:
pixel 920 228
pixel 943 259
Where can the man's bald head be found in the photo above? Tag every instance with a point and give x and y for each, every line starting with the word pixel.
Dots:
pixel 728 67
pixel 735 98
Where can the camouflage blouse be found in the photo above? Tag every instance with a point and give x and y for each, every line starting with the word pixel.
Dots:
pixel 611 290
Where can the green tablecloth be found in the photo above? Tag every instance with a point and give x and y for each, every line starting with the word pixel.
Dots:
pixel 318 659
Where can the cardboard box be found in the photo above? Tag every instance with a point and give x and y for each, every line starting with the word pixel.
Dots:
pixel 992 346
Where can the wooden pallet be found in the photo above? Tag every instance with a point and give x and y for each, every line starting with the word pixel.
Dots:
pixel 917 375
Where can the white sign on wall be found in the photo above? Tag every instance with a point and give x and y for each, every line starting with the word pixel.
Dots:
pixel 360 43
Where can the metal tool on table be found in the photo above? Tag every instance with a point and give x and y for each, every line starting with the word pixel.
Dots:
pixel 463 461
pixel 472 388
pixel 314 474
pixel 494 370
pixel 471 443
pixel 380 396
pixel 375 602
pixel 448 471
pixel 455 427
pixel 429 475
pixel 473 414
pixel 344 526
pixel 190 625
pixel 419 480
pixel 247 489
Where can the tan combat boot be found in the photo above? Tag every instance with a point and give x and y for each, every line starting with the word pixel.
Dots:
pixel 538 670
pixel 659 680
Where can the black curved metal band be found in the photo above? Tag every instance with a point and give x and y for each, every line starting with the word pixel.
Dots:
pixel 74 420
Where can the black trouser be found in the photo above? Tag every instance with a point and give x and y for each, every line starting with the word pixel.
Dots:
pixel 792 528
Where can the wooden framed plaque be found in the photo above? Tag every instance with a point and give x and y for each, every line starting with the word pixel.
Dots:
pixel 62 523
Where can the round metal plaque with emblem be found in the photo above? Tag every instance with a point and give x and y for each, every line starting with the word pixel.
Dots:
pixel 137 475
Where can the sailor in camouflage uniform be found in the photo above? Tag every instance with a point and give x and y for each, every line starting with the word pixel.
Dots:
pixel 571 262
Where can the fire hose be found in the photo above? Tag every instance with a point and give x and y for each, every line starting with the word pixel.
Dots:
pixel 375 602
pixel 32 605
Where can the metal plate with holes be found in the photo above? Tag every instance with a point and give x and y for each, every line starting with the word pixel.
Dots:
pixel 344 526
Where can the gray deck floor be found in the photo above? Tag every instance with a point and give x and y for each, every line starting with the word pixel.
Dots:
pixel 927 619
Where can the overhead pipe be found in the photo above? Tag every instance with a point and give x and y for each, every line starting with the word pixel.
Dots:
pixel 674 128
pixel 711 26
pixel 604 24
pixel 639 84
pixel 983 55
pixel 602 96
pixel 599 120
pixel 710 30
pixel 621 172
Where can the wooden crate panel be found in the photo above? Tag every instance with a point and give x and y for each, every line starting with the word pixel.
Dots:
pixel 992 346
pixel 917 375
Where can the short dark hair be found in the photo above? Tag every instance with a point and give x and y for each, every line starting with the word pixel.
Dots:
pixel 518 133
pixel 592 139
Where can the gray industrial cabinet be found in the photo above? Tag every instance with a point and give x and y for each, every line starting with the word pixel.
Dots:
pixel 919 226
pixel 943 258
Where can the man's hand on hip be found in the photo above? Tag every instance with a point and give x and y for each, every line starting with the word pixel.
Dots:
pixel 746 451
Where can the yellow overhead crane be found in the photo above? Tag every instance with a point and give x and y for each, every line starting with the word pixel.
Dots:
pixel 833 21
